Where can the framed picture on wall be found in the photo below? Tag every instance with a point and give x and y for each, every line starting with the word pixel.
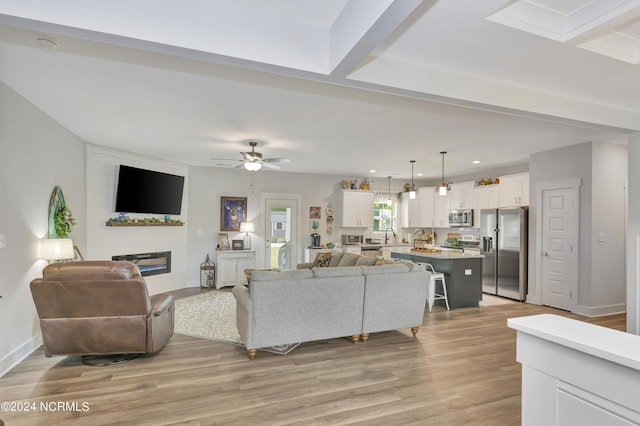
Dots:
pixel 233 210
pixel 314 212
pixel 223 242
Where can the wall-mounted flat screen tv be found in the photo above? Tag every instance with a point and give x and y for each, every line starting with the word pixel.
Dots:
pixel 147 191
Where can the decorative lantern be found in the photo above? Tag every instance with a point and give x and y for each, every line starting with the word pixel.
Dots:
pixel 207 273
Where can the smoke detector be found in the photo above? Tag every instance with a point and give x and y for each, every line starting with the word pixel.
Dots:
pixel 47 44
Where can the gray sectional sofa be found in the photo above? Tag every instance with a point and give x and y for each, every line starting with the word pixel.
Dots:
pixel 288 307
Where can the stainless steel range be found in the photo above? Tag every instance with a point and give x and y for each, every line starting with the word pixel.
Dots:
pixel 470 243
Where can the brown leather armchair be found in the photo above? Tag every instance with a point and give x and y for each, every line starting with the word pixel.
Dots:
pixel 100 308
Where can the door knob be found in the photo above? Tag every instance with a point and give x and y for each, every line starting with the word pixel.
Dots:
pixel 544 253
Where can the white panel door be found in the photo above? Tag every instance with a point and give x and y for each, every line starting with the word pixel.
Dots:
pixel 559 249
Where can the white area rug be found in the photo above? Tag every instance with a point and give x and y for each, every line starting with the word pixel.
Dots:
pixel 208 315
pixel 212 315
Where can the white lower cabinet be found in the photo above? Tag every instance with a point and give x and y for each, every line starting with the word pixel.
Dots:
pixel 231 266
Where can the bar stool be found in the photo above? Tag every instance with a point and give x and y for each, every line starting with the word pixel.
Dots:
pixel 432 296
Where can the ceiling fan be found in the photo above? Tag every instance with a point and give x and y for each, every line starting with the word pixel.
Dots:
pixel 253 160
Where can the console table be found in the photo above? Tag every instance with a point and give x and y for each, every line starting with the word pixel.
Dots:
pixel 231 265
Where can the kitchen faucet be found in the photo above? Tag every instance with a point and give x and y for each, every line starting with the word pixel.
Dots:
pixel 386 238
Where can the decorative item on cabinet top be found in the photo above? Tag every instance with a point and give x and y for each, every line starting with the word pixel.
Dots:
pixel 489 181
pixel 353 184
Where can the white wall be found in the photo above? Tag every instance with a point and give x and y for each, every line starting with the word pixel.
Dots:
pixel 608 218
pixel 601 276
pixel 106 241
pixel 36 154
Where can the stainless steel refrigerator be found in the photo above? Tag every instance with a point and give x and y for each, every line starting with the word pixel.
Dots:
pixel 503 242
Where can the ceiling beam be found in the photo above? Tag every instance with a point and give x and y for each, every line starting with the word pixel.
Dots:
pixel 361 27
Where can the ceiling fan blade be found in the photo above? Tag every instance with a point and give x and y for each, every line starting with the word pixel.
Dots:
pixel 225 159
pixel 248 156
pixel 271 165
pixel 277 160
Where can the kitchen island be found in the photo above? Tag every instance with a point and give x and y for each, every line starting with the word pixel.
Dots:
pixel 462 273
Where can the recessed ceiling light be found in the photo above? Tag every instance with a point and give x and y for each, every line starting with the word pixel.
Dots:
pixel 372 171
pixel 476 161
pixel 419 174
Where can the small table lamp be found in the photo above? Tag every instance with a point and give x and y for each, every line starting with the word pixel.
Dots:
pixel 56 249
pixel 247 227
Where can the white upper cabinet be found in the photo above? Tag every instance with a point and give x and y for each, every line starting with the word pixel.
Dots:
pixel 462 195
pixel 486 197
pixel 514 190
pixel 419 212
pixel 357 209
pixel 413 207
pixel 442 205
pixel 427 207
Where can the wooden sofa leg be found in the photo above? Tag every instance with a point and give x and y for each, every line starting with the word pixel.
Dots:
pixel 364 337
pixel 415 330
pixel 252 353
pixel 355 338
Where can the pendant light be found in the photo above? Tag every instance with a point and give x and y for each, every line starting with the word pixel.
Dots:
pixel 389 202
pixel 412 193
pixel 443 187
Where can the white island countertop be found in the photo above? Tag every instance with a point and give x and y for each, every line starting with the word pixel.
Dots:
pixel 441 255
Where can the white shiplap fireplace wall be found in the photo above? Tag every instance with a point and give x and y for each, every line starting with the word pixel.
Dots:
pixel 106 241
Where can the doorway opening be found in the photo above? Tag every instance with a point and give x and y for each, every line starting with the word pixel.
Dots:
pixel 281 230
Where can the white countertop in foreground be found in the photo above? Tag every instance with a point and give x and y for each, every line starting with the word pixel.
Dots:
pixel 612 345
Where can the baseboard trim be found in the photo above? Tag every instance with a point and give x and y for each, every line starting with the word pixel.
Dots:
pixel 17 356
pixel 600 311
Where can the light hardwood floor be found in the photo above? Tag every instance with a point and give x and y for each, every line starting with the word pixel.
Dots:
pixel 460 370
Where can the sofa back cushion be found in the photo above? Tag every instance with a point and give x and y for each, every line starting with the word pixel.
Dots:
pixel 342 271
pixel 385 269
pixel 295 274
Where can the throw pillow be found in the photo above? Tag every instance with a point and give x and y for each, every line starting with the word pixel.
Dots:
pixel 336 257
pixel 349 259
pixel 383 261
pixel 321 260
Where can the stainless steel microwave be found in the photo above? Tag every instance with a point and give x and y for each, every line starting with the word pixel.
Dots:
pixel 352 239
pixel 461 217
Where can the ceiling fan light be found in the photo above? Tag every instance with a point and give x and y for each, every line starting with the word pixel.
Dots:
pixel 252 167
